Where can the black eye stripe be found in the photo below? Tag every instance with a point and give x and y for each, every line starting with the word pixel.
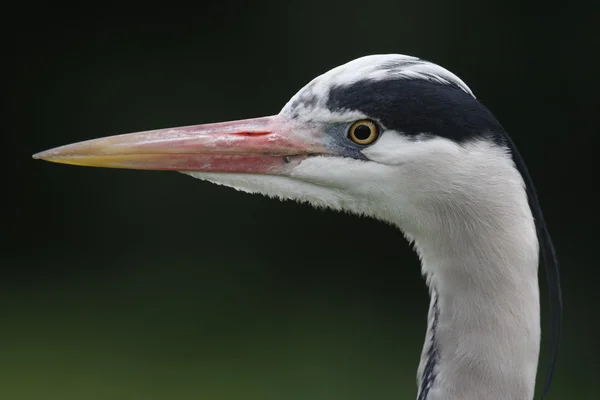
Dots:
pixel 416 106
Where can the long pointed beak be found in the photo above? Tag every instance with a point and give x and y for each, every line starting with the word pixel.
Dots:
pixel 269 145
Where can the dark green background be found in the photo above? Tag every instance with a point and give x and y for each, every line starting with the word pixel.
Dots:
pixel 152 285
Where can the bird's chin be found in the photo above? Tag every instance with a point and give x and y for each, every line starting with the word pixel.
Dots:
pixel 284 187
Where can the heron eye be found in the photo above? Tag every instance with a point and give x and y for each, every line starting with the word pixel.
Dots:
pixel 363 132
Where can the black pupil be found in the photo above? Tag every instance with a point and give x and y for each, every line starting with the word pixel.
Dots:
pixel 362 132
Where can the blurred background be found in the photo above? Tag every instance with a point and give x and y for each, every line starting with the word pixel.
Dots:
pixel 130 285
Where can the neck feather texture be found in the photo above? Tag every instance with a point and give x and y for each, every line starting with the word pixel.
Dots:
pixel 483 334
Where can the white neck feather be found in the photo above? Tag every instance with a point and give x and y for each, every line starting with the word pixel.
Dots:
pixel 478 246
pixel 484 328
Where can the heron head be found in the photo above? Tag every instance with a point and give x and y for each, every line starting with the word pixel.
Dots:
pixel 380 135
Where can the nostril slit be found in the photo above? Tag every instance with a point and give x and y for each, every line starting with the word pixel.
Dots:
pixel 253 133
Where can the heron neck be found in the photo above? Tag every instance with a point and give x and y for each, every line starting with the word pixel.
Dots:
pixel 483 333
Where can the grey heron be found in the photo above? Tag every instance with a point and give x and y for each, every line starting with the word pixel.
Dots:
pixel 403 140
